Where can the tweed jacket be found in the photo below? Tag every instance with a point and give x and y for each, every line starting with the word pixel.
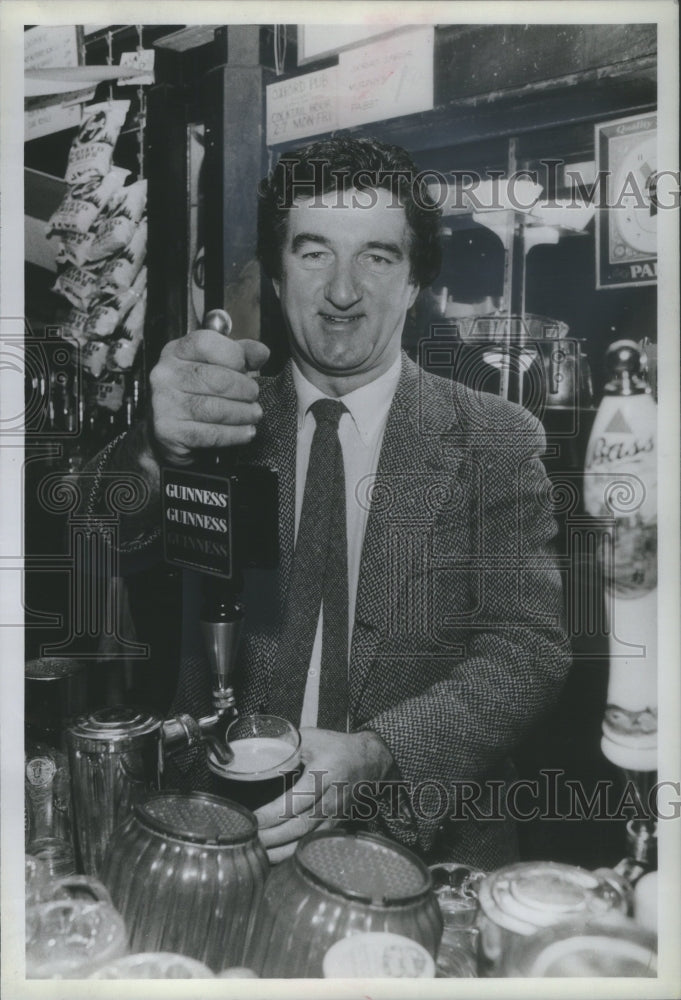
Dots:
pixel 457 646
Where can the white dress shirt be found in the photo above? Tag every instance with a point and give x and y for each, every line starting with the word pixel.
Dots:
pixel 360 432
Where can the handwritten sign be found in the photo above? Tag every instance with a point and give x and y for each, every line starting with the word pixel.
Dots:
pixel 387 79
pixel 54 46
pixel 47 47
pixel 142 59
pixel 302 106
pixel 55 118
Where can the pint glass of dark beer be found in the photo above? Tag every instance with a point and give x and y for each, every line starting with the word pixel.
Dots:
pixel 265 762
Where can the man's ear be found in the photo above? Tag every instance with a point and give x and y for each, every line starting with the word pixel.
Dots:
pixel 413 295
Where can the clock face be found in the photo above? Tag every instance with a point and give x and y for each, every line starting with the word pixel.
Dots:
pixel 626 232
pixel 634 211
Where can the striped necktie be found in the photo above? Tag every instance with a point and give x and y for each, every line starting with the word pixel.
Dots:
pixel 319 577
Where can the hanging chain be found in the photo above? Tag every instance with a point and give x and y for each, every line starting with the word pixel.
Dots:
pixel 142 114
pixel 109 59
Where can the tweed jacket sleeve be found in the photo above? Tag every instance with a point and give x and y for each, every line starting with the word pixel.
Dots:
pixel 470 632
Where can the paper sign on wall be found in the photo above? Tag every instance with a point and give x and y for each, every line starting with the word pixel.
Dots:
pixel 55 118
pixel 142 59
pixel 50 46
pixel 302 106
pixel 45 47
pixel 387 79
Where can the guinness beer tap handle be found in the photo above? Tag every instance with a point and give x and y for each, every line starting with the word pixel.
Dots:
pixel 220 321
pixel 222 612
pixel 220 517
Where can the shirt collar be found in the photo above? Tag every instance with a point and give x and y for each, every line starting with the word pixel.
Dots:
pixel 368 406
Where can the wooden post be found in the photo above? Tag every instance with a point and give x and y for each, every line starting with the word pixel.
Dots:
pixel 234 103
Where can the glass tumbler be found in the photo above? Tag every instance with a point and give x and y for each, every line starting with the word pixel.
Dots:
pixel 186 872
pixel 265 762
pixel 336 884
pixel 154 965
pixel 38 881
pixel 70 938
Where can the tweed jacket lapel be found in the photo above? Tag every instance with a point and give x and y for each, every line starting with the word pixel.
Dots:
pixel 275 447
pixel 265 590
pixel 414 465
pixel 409 475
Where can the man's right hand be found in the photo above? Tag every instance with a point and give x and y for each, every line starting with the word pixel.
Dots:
pixel 204 395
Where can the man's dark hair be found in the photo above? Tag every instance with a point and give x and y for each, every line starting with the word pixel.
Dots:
pixel 340 164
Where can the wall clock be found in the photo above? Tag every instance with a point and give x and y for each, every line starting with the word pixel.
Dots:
pixel 626 223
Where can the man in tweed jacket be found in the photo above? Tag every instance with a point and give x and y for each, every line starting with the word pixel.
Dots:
pixel 457 645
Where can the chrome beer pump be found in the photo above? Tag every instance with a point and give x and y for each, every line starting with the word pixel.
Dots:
pixel 210 490
pixel 221 620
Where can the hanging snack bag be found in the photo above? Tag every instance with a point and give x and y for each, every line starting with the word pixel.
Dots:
pixel 116 226
pixel 77 285
pixel 109 310
pixel 111 392
pixel 121 271
pixel 124 349
pixel 83 202
pixel 74 248
pixel 92 149
pixel 93 357
pixel 74 327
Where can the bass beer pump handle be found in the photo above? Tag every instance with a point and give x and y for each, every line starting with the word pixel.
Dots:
pixel 624 369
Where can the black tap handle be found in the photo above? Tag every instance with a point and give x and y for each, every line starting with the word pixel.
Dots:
pixel 222 611
pixel 217 459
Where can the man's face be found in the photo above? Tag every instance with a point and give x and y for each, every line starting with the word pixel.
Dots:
pixel 345 287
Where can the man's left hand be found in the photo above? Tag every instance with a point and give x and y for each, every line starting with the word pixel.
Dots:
pixel 321 797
